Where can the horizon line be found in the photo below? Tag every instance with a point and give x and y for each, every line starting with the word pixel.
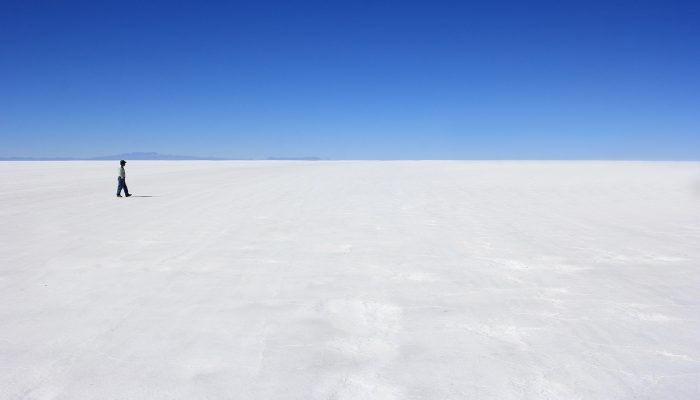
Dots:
pixel 69 159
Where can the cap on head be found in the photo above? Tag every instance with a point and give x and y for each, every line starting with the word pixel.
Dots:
pixel 122 162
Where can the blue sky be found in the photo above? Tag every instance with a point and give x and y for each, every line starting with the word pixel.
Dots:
pixel 351 80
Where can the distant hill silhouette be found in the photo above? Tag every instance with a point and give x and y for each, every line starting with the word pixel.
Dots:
pixel 309 158
pixel 150 156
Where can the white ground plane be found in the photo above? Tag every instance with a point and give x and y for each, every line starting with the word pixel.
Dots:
pixel 350 280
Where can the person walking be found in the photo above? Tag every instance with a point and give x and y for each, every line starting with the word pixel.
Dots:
pixel 121 180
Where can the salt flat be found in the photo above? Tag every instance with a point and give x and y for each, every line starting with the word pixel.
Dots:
pixel 350 280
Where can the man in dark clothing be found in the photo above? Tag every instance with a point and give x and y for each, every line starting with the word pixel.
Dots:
pixel 121 180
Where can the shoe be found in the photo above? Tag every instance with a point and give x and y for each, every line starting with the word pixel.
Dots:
pixel 128 195
pixel 119 195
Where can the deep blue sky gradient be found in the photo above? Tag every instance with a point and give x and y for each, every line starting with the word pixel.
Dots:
pixel 351 80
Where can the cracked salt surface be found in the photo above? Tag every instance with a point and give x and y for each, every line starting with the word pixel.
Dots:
pixel 350 280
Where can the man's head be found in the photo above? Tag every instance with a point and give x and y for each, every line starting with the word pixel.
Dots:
pixel 122 163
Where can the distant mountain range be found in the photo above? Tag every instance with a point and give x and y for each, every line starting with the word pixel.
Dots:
pixel 143 156
pixel 151 156
pixel 295 158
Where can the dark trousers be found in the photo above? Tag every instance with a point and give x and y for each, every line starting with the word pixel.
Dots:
pixel 121 184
